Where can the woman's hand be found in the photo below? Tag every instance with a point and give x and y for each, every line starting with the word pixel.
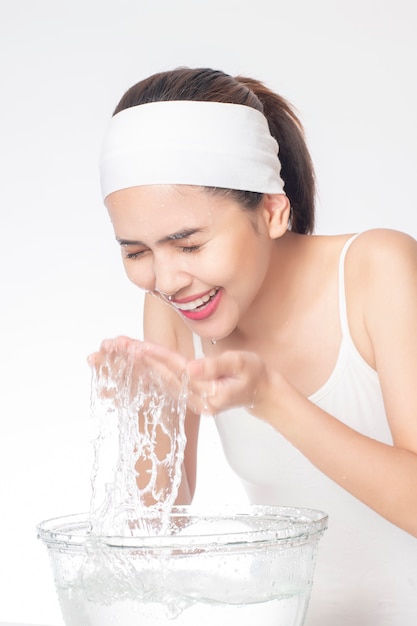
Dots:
pixel 124 363
pixel 214 384
pixel 234 378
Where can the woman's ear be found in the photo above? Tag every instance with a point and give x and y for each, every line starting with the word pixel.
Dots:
pixel 276 211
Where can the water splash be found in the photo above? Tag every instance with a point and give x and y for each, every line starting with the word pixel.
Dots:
pixel 141 426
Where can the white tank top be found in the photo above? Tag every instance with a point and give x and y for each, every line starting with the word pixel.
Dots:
pixel 366 572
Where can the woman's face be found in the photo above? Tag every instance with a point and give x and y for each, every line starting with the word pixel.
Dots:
pixel 205 255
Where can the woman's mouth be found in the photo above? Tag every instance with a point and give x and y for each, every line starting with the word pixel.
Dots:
pixel 201 307
pixel 191 305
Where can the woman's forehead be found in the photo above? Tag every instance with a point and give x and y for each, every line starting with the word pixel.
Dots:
pixel 160 211
pixel 155 194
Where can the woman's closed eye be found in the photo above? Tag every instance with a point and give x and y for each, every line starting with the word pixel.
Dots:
pixel 190 249
pixel 137 254
pixel 134 255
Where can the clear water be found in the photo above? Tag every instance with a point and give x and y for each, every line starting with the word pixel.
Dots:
pixel 140 443
pixel 286 611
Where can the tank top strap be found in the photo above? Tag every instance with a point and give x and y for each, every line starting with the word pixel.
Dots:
pixel 342 292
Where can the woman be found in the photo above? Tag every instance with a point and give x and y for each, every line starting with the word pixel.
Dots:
pixel 309 342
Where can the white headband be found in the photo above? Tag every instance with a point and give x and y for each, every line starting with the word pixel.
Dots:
pixel 210 144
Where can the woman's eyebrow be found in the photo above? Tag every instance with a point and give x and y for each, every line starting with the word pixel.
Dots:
pixel 129 242
pixel 180 234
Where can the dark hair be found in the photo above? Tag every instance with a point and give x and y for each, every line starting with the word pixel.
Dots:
pixel 213 85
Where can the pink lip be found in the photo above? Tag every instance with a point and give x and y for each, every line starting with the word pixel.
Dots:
pixel 205 311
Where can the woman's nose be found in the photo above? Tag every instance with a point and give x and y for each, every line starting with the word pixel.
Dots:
pixel 170 279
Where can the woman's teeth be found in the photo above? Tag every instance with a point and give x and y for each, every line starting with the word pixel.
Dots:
pixel 195 304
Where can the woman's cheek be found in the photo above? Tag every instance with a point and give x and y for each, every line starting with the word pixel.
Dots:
pixel 140 273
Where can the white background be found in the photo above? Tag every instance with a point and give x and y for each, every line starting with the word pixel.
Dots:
pixel 348 67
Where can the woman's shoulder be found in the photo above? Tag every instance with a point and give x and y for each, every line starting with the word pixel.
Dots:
pixel 381 249
pixel 381 268
pixel 380 274
pixel 382 261
pixel 384 237
pixel 163 325
pixel 372 241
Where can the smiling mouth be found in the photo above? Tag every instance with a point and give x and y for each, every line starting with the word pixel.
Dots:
pixel 196 304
